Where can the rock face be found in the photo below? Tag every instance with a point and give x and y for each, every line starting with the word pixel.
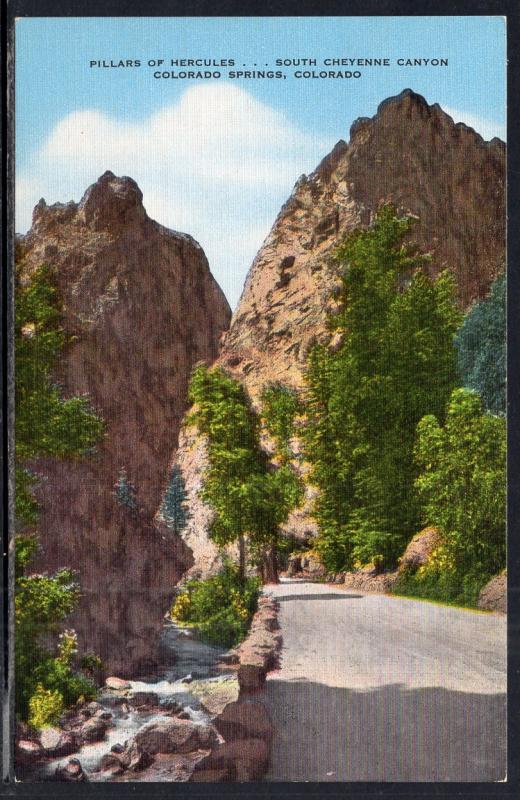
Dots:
pixel 409 153
pixel 143 308
pixel 493 597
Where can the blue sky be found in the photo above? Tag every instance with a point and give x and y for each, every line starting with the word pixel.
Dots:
pixel 218 158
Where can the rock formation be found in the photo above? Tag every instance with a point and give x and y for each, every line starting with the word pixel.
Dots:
pixel 409 153
pixel 143 308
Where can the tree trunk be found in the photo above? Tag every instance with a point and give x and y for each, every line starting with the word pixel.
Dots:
pixel 270 566
pixel 242 559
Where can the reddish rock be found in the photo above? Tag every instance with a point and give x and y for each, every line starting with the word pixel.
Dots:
pixel 411 154
pixel 119 684
pixel 420 549
pixel 58 743
pixel 493 597
pixel 71 772
pixel 27 751
pixel 93 730
pixel 172 735
pixel 241 760
pixel 142 307
pixel 244 720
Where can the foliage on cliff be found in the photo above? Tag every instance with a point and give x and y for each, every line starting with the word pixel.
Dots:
pixel 481 348
pixel 46 424
pixel 396 363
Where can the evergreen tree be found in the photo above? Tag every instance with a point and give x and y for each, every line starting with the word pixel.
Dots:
pixel 125 491
pixel 481 347
pixel 396 362
pixel 173 508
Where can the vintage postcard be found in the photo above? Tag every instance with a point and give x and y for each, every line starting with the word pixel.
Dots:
pixel 260 396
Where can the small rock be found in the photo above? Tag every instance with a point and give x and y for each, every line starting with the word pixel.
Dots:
pixel 183 715
pixel 135 758
pixel 71 772
pixel 112 763
pixel 137 699
pixel 170 705
pixel 187 679
pixel 172 735
pixel 493 597
pixel 117 683
pixel 117 748
pixel 57 743
pixel 28 751
pixel 93 730
pixel 104 715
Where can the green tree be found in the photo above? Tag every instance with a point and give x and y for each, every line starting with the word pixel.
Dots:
pixel 481 348
pixel 125 491
pixel 46 424
pixel 173 507
pixel 462 485
pixel 395 363
pixel 248 497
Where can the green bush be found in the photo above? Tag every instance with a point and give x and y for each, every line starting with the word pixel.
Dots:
pixel 45 708
pixel 444 586
pixel 220 608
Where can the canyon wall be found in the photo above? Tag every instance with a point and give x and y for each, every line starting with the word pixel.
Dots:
pixel 142 307
pixel 411 154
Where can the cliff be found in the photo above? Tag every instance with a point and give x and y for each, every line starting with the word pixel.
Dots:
pixel 411 154
pixel 142 308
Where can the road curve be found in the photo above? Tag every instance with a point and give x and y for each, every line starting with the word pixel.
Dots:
pixel 377 688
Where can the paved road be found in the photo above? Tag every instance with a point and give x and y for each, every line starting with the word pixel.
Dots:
pixel 375 688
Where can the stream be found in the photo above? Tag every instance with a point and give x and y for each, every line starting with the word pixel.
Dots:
pixel 183 658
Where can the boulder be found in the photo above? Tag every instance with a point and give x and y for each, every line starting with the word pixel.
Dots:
pixel 27 751
pixel 57 743
pixel 295 566
pixel 241 760
pixel 173 735
pixel 245 719
pixel 137 699
pixel 313 566
pixel 71 772
pixel 112 763
pixel 118 684
pixel 493 597
pixel 93 730
pixel 420 549
pixel 135 758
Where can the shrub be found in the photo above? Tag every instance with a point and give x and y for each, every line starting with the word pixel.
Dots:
pixel 220 608
pixel 45 707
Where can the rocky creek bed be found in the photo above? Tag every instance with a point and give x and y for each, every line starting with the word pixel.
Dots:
pixel 194 720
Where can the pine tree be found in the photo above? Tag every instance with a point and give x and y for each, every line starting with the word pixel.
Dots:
pixel 173 508
pixel 481 347
pixel 125 491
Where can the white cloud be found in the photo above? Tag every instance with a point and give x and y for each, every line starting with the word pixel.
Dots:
pixel 218 165
pixel 487 128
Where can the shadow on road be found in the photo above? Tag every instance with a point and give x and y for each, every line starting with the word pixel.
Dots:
pixel 386 734
pixel 286 597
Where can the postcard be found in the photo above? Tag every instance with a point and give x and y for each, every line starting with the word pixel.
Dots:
pixel 260 396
